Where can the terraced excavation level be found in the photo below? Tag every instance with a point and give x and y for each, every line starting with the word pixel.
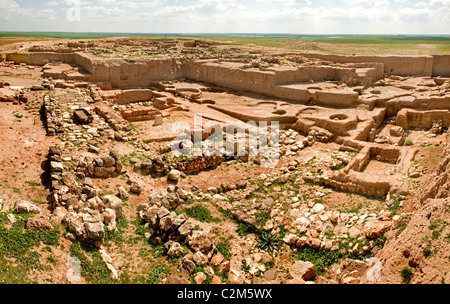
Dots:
pixel 172 161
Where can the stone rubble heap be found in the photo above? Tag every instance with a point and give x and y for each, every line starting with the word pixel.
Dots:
pixel 172 229
pixel 78 203
pixel 308 222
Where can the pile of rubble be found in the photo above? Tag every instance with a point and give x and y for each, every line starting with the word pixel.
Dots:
pixel 172 229
pixel 308 222
pixel 437 127
pixel 9 95
pixel 79 204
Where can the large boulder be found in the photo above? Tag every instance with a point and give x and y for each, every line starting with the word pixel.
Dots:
pixel 200 259
pixel 173 249
pixel 108 161
pixel 304 270
pixel 22 206
pixel 38 223
pixel 186 265
pixel 200 242
pixel 113 202
pixel 374 230
pixel 174 175
pixel 75 223
pixel 109 216
pixel 150 215
pixel 185 229
pixel 68 178
pixel 94 231
pixel 56 166
pixel 166 222
pixel 136 188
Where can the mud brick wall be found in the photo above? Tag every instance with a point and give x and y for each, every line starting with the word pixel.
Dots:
pixel 140 113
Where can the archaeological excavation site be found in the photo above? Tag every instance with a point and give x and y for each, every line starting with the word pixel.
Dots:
pixel 183 161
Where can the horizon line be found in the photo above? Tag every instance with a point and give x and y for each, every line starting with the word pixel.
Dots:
pixel 220 33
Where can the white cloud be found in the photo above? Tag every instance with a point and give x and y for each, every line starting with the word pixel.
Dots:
pixel 421 4
pixel 10 8
pixel 280 16
pixel 294 2
pixel 439 3
pixel 356 2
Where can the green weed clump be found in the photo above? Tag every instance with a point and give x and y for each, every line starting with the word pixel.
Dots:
pixel 406 274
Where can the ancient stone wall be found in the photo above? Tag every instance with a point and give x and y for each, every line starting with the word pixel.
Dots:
pixel 441 66
pixel 140 113
pixel 410 119
pixel 393 65
pixel 40 59
pixel 199 164
pixel 101 167
pixel 132 75
pixel 122 97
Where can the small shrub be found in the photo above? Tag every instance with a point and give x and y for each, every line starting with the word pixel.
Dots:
pixel 427 251
pixel 224 249
pixel 338 167
pixel 33 184
pixel 407 275
pixel 408 142
pixel 268 242
pixel 200 213
pixel 262 217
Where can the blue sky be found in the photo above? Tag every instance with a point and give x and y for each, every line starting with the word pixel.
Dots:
pixel 229 16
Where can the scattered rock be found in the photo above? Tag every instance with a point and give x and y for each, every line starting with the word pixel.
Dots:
pixel 38 223
pixel 305 270
pixel 217 259
pixel 374 229
pixel 175 249
pixel 201 242
pixel 216 280
pixel 115 203
pixel 95 231
pixel 11 218
pixel 186 265
pixel 200 259
pixel 22 206
pixel 136 188
pixel 174 175
pixel 271 275
pixel 200 277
